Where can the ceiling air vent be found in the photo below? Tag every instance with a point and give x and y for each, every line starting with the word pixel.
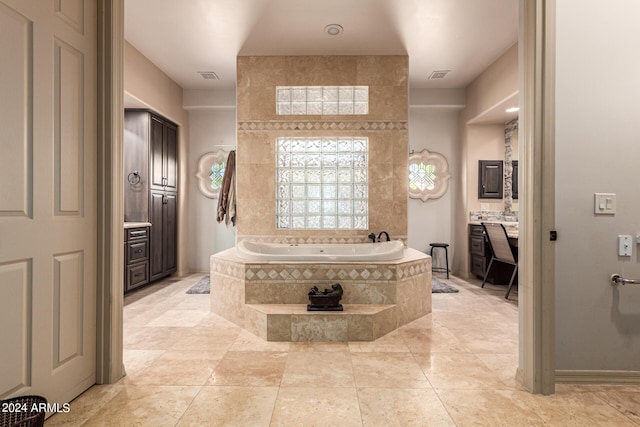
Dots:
pixel 209 75
pixel 439 74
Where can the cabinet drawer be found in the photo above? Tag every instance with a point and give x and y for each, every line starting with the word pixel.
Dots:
pixel 137 275
pixel 476 229
pixel 137 250
pixel 137 233
pixel 476 245
pixel 478 264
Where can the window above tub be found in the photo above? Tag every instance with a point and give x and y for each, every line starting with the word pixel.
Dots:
pixel 322 183
pixel 322 100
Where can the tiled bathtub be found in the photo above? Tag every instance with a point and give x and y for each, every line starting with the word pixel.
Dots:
pixel 269 298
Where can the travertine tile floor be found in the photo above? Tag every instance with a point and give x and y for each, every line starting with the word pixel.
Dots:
pixel 456 366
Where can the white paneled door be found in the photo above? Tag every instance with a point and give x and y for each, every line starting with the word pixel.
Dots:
pixel 47 197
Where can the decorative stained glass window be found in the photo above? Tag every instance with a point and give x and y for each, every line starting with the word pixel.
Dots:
pixel 321 183
pixel 217 172
pixel 210 172
pixel 422 176
pixel 428 175
pixel 322 100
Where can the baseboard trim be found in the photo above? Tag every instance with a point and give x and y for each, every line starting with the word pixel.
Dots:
pixel 597 377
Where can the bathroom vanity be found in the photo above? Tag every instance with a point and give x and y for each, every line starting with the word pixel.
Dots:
pixel 480 254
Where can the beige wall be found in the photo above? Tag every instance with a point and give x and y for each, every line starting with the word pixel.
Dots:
pixel 148 86
pixel 486 143
pixel 597 325
pixel 385 126
pixel 496 84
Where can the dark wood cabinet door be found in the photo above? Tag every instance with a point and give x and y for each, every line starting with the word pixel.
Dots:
pixel 490 179
pixel 156 209
pixel 170 234
pixel 163 253
pixel 171 157
pixel 156 153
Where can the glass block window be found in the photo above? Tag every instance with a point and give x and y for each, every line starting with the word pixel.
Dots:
pixel 321 183
pixel 322 100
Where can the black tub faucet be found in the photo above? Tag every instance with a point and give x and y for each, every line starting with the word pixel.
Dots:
pixel 372 236
pixel 386 234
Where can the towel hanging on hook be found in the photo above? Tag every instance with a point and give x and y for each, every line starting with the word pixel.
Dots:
pixel 226 199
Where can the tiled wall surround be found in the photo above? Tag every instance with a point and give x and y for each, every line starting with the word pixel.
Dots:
pixel 269 299
pixel 385 126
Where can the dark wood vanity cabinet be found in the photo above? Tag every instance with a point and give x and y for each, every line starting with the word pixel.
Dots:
pixel 479 250
pixel 151 184
pixel 480 256
pixel 136 253
pixel 490 179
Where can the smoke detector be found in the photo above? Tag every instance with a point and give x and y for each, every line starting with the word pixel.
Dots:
pixel 333 29
pixel 439 74
pixel 209 75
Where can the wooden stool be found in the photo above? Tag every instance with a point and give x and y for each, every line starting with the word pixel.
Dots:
pixel 446 255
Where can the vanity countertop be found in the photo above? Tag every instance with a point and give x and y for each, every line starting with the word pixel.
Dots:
pixel 136 224
pixel 510 226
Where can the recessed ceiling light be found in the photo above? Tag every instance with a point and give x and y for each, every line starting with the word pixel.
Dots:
pixel 333 29
pixel 209 75
pixel 512 109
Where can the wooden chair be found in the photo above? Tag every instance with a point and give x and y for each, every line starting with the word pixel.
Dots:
pixel 501 251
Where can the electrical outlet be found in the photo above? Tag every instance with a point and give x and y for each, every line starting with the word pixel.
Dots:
pixel 625 247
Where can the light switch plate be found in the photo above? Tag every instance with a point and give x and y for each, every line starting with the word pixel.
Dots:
pixel 604 204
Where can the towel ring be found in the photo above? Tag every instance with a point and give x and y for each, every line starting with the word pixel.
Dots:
pixel 134 178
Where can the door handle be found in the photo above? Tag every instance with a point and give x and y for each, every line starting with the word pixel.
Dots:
pixel 617 279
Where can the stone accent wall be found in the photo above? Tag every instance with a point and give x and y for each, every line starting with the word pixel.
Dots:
pixel 385 126
pixel 509 128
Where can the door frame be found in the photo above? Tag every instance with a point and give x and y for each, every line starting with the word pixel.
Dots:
pixel 537 201
pixel 536 279
pixel 110 263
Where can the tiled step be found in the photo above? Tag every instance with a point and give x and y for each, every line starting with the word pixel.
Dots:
pixel 292 322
